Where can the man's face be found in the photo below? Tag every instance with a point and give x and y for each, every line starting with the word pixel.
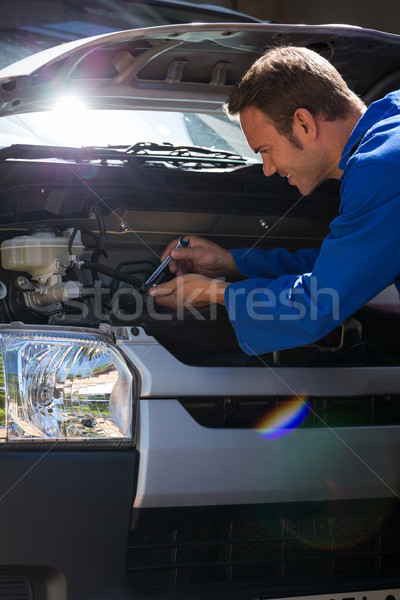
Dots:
pixel 303 166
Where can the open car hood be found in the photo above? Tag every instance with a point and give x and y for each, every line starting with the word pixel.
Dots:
pixel 187 67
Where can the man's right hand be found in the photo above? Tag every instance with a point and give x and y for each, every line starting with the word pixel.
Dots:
pixel 201 256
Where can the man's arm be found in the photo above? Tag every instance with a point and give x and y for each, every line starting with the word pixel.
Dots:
pixel 273 263
pixel 202 257
pixel 209 259
pixel 357 260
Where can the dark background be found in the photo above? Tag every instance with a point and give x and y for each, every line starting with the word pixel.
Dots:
pixel 374 14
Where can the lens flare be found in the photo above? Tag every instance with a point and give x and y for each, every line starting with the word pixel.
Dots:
pixel 88 171
pixel 289 415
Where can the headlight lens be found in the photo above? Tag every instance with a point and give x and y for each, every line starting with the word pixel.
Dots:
pixel 64 387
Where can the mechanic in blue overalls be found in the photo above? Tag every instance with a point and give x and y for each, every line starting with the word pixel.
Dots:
pixel 299 114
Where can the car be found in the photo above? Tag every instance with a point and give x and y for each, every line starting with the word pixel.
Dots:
pixel 143 455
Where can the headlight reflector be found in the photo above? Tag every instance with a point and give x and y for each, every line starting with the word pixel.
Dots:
pixel 66 387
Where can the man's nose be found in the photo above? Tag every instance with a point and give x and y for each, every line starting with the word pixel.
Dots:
pixel 268 167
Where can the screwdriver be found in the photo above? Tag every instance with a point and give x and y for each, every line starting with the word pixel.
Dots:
pixel 182 243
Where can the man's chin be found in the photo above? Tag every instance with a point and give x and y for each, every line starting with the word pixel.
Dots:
pixel 306 191
pixel 303 191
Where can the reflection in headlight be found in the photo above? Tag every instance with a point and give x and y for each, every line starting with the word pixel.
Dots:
pixel 64 387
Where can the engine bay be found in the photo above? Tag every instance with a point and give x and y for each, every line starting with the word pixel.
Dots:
pixel 79 240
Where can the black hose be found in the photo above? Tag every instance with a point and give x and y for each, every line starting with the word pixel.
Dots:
pixel 95 266
pixel 136 263
pixel 71 240
pixel 99 251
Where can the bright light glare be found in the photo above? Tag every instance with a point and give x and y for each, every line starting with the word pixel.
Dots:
pixel 70 105
pixel 70 114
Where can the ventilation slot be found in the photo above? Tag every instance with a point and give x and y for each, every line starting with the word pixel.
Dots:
pixel 341 411
pixel 201 183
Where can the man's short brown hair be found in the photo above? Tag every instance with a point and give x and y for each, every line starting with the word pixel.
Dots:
pixel 290 77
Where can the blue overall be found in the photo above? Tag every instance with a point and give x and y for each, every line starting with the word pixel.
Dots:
pixel 291 299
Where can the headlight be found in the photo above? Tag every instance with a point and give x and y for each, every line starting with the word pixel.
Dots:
pixel 63 386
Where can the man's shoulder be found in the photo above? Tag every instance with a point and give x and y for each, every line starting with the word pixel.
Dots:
pixel 381 143
pixel 376 136
pixel 380 140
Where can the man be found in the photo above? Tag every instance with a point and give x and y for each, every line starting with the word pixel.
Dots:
pixel 298 113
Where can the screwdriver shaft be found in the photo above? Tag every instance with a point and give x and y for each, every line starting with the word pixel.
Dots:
pixel 182 243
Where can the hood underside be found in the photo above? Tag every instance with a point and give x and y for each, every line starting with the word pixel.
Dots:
pixel 188 67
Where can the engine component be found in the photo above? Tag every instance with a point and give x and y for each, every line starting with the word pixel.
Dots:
pixel 45 255
pixel 41 254
pixel 44 295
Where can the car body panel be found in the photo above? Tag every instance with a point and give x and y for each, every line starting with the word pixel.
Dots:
pixel 244 467
pixel 149 68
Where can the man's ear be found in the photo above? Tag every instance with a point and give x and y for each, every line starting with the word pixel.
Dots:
pixel 304 125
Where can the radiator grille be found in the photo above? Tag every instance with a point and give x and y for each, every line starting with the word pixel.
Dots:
pixel 241 412
pixel 169 549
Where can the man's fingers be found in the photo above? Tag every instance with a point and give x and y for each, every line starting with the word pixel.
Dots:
pixel 164 295
pixel 188 256
pixel 183 253
pixel 174 267
pixel 168 249
pixel 177 267
pixel 161 290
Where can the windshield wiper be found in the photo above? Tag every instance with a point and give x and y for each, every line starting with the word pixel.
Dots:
pixel 142 153
pixel 193 157
pixel 34 152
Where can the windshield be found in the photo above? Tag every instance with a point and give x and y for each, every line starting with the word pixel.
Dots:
pixel 102 128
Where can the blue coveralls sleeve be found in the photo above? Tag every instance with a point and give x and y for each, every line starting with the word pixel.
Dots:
pixel 359 258
pixel 275 262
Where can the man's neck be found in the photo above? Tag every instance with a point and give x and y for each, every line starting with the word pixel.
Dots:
pixel 338 133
